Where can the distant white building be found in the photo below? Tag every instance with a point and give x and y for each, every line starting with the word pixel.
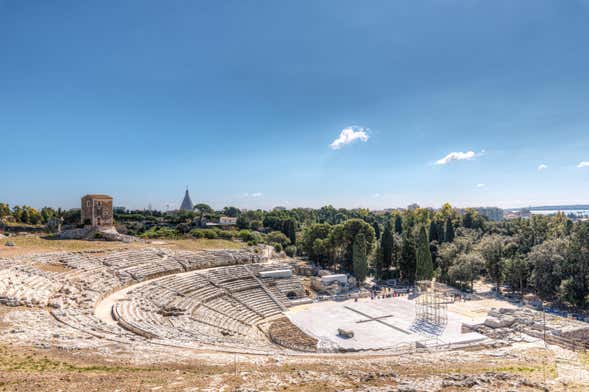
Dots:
pixel 328 279
pixel 227 221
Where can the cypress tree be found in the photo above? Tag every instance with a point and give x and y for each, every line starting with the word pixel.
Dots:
pixel 424 266
pixel 378 275
pixel 407 260
pixel 434 231
pixel 398 224
pixel 376 228
pixel 289 230
pixel 386 246
pixel 449 232
pixel 359 257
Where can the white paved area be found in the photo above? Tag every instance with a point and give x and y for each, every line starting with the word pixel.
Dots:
pixel 394 325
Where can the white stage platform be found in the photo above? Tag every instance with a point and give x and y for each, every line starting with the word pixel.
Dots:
pixel 379 324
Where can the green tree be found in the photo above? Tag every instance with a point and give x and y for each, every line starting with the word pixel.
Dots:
pixel 574 289
pixel 203 210
pixel 548 260
pixel 47 213
pixel 360 257
pixel 17 213
pixel 517 273
pixel 376 228
pixel 449 231
pixel 277 237
pixel 386 247
pixel 243 222
pixel 4 210
pixel 436 233
pixel 377 264
pixel 424 266
pixel 468 219
pixel 398 224
pixel 466 269
pixel 407 261
pixel 231 211
pixel 492 248
pixel 25 216
pixel 350 229
pixel 447 255
pixel 289 229
pixel 315 242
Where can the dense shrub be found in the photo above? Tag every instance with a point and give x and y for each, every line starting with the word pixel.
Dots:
pixel 277 237
pixel 160 232
pixel 212 234
pixel 290 251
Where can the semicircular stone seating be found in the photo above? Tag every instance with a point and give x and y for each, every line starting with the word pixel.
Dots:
pixel 215 306
pixel 182 298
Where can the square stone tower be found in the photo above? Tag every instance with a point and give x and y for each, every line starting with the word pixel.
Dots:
pixel 97 211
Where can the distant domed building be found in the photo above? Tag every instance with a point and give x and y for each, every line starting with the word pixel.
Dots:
pixel 186 203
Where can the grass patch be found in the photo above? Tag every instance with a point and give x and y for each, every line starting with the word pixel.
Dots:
pixel 15 362
pixel 526 370
pixel 584 359
pixel 34 361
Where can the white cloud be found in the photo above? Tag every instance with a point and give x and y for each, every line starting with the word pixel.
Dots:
pixel 255 194
pixel 349 135
pixel 480 185
pixel 375 195
pixel 583 164
pixel 457 156
pixel 542 167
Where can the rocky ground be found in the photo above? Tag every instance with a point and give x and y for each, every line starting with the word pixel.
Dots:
pixel 49 366
pixel 26 369
pixel 39 354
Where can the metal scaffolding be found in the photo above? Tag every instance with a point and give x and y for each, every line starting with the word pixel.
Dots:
pixel 432 307
pixel 431 310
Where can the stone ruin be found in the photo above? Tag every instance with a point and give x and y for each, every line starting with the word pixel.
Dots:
pixel 206 299
pixel 521 324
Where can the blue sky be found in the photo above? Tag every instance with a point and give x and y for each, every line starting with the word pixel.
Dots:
pixel 243 101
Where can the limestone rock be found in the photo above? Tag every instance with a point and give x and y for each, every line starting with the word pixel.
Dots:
pixel 493 322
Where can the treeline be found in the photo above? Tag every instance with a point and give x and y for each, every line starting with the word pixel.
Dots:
pixel 544 255
pixel 400 244
pixel 31 216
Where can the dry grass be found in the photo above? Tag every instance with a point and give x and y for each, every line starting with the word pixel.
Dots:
pixel 26 244
pixel 25 369
pixel 203 243
pixel 36 244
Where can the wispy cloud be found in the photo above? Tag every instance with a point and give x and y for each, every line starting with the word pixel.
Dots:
pixel 457 156
pixel 542 167
pixel 375 195
pixel 481 185
pixel 349 135
pixel 255 194
pixel 583 164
